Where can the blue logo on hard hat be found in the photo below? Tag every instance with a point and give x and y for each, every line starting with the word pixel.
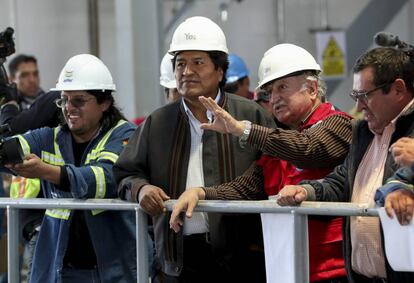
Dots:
pixel 237 69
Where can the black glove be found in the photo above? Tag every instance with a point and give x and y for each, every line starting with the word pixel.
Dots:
pixel 8 92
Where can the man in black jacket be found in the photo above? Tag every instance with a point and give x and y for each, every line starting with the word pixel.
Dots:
pixel 171 153
pixel 383 90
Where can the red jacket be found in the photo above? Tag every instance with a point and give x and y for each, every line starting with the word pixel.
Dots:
pixel 325 233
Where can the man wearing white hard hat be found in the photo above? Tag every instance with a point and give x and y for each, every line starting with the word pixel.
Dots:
pixel 172 153
pixel 75 161
pixel 316 140
pixel 167 79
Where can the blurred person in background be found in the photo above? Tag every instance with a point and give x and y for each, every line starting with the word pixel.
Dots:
pixel 167 79
pixel 24 72
pixel 237 77
pixel 26 107
pixel 263 99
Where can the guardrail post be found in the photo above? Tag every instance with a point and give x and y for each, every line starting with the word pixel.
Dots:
pixel 13 244
pixel 301 247
pixel 142 245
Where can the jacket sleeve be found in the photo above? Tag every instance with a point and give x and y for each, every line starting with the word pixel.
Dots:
pixel 95 179
pixel 33 141
pixel 332 187
pixel 324 145
pixel 402 179
pixel 247 186
pixel 130 170
pixel 44 109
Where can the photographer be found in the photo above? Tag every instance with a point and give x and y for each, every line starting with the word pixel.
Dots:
pixel 24 106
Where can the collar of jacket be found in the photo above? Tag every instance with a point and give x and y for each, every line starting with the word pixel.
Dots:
pixel 323 111
pixel 222 102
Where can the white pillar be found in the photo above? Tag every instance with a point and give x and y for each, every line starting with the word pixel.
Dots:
pixel 138 33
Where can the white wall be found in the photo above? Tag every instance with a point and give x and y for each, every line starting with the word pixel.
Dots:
pixel 51 30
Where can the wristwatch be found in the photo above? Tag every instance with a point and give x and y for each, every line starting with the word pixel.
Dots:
pixel 246 132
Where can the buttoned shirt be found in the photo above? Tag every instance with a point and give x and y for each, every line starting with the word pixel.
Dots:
pixel 198 223
pixel 367 253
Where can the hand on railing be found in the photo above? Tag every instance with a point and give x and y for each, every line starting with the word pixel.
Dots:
pixel 291 195
pixel 187 201
pixel 151 199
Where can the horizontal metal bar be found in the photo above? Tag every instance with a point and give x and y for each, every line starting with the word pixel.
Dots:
pixel 264 206
pixel 270 206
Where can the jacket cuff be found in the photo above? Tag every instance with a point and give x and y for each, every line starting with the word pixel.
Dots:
pixel 310 192
pixel 64 183
pixel 388 188
pixel 211 193
pixel 135 189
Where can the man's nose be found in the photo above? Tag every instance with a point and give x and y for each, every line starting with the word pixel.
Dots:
pixel 360 105
pixel 274 97
pixel 69 105
pixel 187 70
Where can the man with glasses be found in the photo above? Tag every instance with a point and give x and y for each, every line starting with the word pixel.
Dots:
pixel 383 90
pixel 75 161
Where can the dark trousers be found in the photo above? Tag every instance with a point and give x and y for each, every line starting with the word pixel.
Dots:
pixel 335 280
pixel 200 264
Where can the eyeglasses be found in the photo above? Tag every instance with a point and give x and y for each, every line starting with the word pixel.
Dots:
pixel 76 102
pixel 363 95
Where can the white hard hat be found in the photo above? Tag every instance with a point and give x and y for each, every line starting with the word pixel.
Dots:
pixel 284 59
pixel 167 78
pixel 198 33
pixel 84 72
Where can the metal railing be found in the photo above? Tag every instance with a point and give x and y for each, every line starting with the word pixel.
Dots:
pixel 299 235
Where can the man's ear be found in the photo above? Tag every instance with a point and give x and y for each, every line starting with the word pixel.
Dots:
pixel 105 105
pixel 399 85
pixel 221 73
pixel 313 87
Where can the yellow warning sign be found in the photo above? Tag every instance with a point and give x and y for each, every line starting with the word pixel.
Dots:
pixel 333 59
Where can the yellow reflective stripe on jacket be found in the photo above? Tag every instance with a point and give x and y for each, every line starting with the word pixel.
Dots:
pixel 55 159
pixel 52 159
pixel 24 187
pixel 108 156
pixel 100 181
pixel 104 140
pixel 59 213
pixel 25 146
pixel 95 153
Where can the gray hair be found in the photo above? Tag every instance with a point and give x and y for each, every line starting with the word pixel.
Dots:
pixel 314 76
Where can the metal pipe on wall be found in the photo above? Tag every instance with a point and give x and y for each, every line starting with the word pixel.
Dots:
pixel 93 21
pixel 281 29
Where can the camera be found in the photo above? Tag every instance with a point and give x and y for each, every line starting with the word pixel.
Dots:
pixel 6 49
pixel 11 151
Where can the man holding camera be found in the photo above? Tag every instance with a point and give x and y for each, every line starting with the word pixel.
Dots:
pixel 22 101
pixel 75 161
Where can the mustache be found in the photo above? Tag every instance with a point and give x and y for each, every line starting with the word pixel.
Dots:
pixel 279 104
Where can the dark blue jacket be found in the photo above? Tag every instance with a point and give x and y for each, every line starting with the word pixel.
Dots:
pixel 112 232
